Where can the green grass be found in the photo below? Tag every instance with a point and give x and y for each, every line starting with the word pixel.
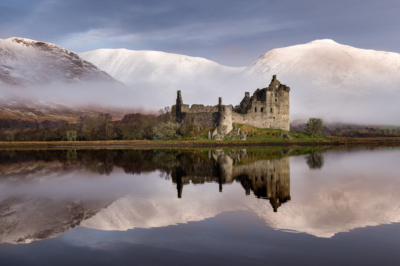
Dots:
pixel 270 135
pixel 254 135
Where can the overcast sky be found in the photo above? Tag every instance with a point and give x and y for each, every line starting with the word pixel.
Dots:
pixel 230 32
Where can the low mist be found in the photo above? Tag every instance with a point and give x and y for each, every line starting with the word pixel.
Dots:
pixel 376 105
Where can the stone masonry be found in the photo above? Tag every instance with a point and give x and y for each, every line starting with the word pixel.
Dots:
pixel 266 108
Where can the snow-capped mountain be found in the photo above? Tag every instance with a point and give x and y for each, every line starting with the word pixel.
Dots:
pixel 29 62
pixel 327 64
pixel 156 76
pixel 334 81
pixel 133 67
pixel 327 79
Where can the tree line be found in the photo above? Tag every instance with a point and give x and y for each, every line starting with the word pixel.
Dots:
pixel 134 126
pixel 316 126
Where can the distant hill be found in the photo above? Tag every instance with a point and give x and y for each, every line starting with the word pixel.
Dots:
pixel 330 65
pixel 133 67
pixel 29 62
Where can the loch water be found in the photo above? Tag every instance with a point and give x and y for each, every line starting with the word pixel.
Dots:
pixel 200 206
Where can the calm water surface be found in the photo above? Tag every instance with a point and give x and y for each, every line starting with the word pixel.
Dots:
pixel 275 206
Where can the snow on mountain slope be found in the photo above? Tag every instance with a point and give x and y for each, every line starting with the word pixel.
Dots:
pixel 29 62
pixel 328 64
pixel 334 81
pixel 156 76
pixel 132 67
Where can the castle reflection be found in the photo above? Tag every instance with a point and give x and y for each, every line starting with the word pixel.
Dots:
pixel 267 179
pixel 46 192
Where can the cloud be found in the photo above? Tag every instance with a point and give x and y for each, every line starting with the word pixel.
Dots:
pixel 200 28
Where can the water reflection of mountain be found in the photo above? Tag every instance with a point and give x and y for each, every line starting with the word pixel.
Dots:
pixel 268 179
pixel 45 193
pixel 44 214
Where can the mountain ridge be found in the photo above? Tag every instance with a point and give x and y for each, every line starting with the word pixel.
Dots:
pixel 28 62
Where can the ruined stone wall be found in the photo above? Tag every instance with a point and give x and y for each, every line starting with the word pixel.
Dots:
pixel 266 108
pixel 197 114
pixel 273 112
pixel 200 119
pixel 200 108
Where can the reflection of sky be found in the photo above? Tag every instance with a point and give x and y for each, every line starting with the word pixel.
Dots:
pixel 354 189
pixel 234 238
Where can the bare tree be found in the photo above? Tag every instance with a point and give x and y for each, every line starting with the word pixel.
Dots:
pixel 314 126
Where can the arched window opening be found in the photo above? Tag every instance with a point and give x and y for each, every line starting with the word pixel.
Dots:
pixel 255 109
pixel 271 110
pixel 262 109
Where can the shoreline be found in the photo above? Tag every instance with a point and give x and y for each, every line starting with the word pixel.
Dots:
pixel 155 144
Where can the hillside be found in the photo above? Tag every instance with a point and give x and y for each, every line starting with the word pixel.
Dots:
pixel 155 76
pixel 132 67
pixel 29 62
pixel 328 64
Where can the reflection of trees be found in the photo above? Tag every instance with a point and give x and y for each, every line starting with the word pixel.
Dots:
pixel 315 160
pixel 266 173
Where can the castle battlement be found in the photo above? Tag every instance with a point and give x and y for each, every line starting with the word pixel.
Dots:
pixel 266 108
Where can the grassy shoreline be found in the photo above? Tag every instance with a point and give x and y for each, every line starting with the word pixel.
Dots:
pixel 205 143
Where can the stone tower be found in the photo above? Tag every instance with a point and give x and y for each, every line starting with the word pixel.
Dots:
pixel 225 118
pixel 179 104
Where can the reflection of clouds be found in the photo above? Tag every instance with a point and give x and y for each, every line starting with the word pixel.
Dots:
pixel 353 189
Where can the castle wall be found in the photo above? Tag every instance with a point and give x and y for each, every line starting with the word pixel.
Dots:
pixel 201 119
pixel 267 108
pixel 200 108
pixel 198 115
pixel 273 112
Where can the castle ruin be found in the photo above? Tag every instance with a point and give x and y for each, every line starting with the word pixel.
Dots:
pixel 266 108
pixel 267 179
